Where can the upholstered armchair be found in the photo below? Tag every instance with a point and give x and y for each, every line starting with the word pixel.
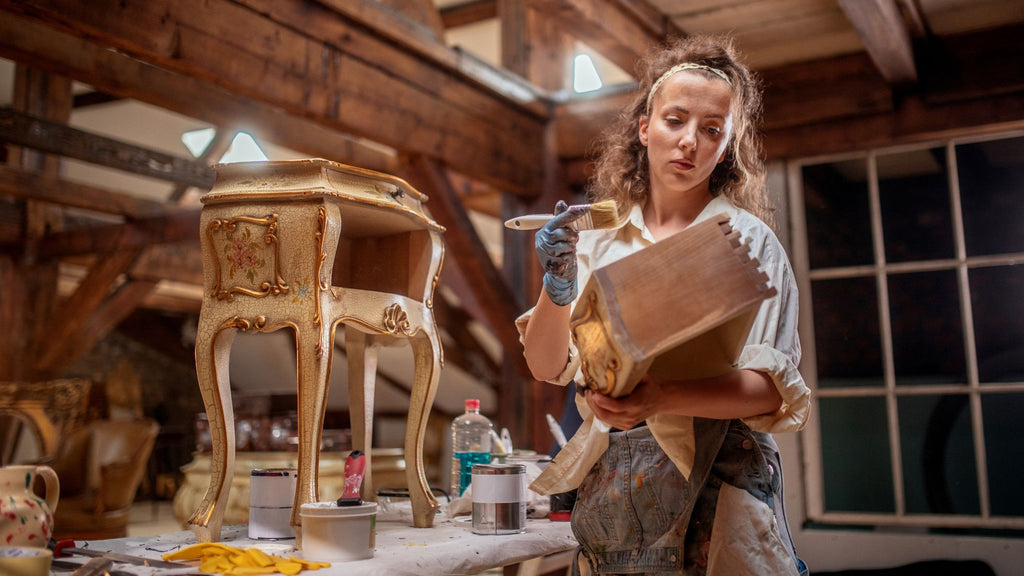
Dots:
pixel 100 467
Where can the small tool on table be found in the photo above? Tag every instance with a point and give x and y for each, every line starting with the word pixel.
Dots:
pixel 355 467
pixel 68 548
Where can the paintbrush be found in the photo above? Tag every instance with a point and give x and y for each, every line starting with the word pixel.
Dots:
pixel 599 215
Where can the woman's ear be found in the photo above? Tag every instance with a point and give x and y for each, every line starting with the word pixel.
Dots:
pixel 642 126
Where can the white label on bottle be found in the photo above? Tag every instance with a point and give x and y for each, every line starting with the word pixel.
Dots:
pixel 499 488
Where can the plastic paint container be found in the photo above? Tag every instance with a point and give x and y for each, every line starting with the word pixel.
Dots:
pixel 271 493
pixel 499 498
pixel 338 533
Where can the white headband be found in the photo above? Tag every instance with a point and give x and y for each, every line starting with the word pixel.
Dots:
pixel 678 68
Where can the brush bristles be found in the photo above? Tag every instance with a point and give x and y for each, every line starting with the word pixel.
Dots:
pixel 601 215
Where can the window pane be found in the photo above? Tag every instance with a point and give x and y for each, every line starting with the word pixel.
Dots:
pixel 1004 428
pixel 913 191
pixel 927 335
pixel 997 300
pixel 846 336
pixel 937 449
pixel 838 214
pixel 992 194
pixel 855 455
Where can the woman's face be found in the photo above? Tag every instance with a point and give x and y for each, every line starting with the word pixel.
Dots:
pixel 687 132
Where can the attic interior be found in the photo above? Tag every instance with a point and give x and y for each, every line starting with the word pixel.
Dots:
pixel 115 113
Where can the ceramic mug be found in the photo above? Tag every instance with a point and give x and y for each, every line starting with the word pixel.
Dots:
pixel 25 518
pixel 20 561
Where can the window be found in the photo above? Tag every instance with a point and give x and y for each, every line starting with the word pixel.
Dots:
pixel 911 263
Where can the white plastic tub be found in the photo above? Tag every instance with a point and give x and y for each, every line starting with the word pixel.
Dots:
pixel 338 533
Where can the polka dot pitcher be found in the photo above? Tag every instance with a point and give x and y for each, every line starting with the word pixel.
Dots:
pixel 25 518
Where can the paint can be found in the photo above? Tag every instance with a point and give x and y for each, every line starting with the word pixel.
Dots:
pixel 499 498
pixel 271 493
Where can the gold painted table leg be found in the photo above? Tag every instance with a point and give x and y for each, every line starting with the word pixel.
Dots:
pixel 213 348
pixel 427 353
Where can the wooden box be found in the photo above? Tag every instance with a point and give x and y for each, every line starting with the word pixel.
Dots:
pixel 680 309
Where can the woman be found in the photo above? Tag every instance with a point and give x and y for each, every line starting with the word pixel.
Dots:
pixel 708 498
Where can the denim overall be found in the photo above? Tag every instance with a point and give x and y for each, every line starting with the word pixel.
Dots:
pixel 637 514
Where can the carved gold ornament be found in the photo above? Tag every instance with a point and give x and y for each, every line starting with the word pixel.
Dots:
pixel 245 257
pixel 396 321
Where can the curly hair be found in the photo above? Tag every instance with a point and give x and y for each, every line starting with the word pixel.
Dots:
pixel 622 172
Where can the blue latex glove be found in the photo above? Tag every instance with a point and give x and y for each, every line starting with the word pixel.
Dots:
pixel 556 250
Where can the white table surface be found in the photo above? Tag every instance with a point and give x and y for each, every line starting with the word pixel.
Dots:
pixel 447 548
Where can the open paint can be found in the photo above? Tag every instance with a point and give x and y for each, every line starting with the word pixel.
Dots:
pixel 338 533
pixel 499 498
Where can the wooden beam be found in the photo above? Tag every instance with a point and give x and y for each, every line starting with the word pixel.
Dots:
pixel 177 262
pixel 218 145
pixel 489 287
pixel 423 45
pixel 468 13
pixel 114 72
pixel 915 121
pixel 622 31
pixel 171 228
pixel 49 188
pixel 468 354
pixel 821 90
pixel 311 62
pixel 886 38
pixel 62 140
pixel 74 313
pixel 423 12
pixel 103 320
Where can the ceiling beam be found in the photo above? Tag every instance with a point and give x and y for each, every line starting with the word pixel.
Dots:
pixel 63 140
pixel 48 188
pixel 75 313
pixel 620 30
pixel 490 289
pixel 116 73
pixel 914 121
pixel 881 28
pixel 313 63
pixel 423 12
pixel 468 13
pixel 171 228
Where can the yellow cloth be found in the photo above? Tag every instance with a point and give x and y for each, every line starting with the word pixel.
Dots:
pixel 772 347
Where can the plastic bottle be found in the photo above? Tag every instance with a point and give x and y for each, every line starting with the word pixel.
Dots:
pixel 471 444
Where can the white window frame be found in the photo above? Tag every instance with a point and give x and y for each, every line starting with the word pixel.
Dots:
pixel 810 438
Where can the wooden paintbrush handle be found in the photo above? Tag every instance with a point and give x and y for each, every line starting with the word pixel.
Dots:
pixel 528 222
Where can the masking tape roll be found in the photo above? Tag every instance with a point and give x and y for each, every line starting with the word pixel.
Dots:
pixel 21 561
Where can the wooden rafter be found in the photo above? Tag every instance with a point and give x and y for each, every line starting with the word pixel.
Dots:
pixel 48 188
pixel 468 13
pixel 114 72
pixel 171 228
pixel 621 30
pixel 312 62
pixel 490 289
pixel 885 36
pixel 62 140
pixel 75 313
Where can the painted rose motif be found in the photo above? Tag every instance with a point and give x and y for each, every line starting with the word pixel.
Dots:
pixel 244 254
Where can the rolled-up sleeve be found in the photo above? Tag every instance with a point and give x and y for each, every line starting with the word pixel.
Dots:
pixel 773 346
pixel 572 364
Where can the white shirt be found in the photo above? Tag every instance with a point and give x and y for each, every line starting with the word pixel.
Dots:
pixel 772 347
